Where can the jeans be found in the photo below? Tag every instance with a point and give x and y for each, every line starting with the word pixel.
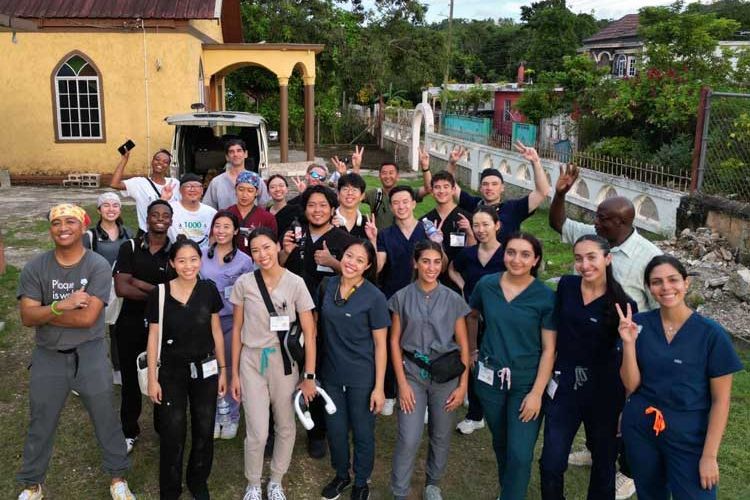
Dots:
pixel 177 390
pixel 352 414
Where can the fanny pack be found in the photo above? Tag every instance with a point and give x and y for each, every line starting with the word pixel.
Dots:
pixel 442 369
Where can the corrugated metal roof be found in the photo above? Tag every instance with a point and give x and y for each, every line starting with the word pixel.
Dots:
pixel 102 9
pixel 625 27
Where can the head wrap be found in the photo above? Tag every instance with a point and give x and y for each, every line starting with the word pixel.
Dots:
pixel 108 197
pixel 248 177
pixel 69 210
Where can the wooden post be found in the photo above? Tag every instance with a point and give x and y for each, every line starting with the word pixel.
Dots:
pixel 283 119
pixel 309 117
pixel 701 127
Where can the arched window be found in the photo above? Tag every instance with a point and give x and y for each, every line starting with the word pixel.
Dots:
pixel 78 103
pixel 620 65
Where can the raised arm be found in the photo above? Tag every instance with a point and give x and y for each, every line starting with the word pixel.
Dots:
pixel 424 166
pixel 356 159
pixel 568 177
pixel 541 183
pixel 452 167
pixel 116 182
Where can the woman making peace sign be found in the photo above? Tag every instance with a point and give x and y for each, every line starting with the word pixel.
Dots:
pixel 677 367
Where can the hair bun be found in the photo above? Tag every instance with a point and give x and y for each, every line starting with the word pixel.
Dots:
pixel 181 237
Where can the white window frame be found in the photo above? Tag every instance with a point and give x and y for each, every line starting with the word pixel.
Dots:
pixel 58 104
pixel 507 108
pixel 620 65
pixel 632 69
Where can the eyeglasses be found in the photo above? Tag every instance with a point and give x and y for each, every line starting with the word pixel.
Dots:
pixel 317 176
pixel 350 189
pixel 192 186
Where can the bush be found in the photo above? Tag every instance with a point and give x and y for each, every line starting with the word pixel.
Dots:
pixel 677 155
pixel 620 147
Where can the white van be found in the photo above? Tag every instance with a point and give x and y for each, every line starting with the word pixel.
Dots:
pixel 199 137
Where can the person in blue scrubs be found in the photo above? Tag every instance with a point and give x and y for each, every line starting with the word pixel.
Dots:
pixel 586 386
pixel 466 269
pixel 222 263
pixel 677 367
pixel 354 317
pixel 515 358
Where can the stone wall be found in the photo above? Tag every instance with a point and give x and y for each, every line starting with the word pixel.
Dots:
pixel 728 218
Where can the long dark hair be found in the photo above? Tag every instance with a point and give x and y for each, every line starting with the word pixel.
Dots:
pixel 663 259
pixel 181 242
pixel 371 272
pixel 614 293
pixel 536 246
pixel 422 247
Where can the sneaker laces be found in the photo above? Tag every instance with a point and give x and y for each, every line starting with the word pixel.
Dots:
pixel 252 493
pixel 276 492
pixel 120 490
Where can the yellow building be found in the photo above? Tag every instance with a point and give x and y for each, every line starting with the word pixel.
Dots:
pixel 79 78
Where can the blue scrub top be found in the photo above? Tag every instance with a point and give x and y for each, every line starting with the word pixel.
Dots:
pixel 511 212
pixel 224 274
pixel 399 266
pixel 513 330
pixel 467 265
pixel 582 338
pixel 677 375
pixel 349 358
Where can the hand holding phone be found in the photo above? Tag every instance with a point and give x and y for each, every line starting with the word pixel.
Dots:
pixel 125 148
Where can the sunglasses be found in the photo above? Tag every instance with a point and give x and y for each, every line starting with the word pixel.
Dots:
pixel 318 177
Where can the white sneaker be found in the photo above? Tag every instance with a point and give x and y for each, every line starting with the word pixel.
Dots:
pixel 75 393
pixel 467 426
pixel 275 492
pixel 32 493
pixel 217 430
pixel 432 492
pixel 120 491
pixel 130 444
pixel 426 416
pixel 253 493
pixel 624 486
pixel 580 458
pixel 229 431
pixel 388 407
pixel 117 377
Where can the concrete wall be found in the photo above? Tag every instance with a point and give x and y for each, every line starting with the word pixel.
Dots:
pixel 27 144
pixel 656 207
pixel 729 218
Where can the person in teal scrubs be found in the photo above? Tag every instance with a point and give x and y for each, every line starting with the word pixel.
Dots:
pixel 677 367
pixel 515 359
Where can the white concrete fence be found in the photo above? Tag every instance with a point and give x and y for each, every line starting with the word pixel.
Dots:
pixel 656 207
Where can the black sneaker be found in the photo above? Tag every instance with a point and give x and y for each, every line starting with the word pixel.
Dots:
pixel 333 489
pixel 317 448
pixel 360 492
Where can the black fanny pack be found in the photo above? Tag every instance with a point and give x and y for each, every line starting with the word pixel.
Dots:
pixel 441 369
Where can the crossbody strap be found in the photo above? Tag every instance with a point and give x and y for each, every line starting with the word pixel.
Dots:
pixel 156 190
pixel 162 292
pixel 264 292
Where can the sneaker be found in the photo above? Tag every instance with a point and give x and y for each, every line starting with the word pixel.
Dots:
pixel 317 448
pixel 432 492
pixel 333 489
pixel 624 486
pixel 75 393
pixel 275 492
pixel 580 458
pixel 426 416
pixel 217 430
pixel 388 407
pixel 360 492
pixel 32 493
pixel 117 377
pixel 120 491
pixel 253 493
pixel 229 431
pixel 130 443
pixel 467 426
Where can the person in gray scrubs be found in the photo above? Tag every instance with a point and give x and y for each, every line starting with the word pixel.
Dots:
pixel 62 294
pixel 428 320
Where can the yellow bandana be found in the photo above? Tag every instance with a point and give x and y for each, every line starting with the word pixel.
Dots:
pixel 69 210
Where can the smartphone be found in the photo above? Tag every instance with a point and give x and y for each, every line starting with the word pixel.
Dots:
pixel 126 147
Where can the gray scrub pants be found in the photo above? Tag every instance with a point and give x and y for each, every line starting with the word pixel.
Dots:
pixel 53 375
pixel 410 427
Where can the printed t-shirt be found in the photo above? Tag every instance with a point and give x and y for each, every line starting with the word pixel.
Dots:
pixel 290 297
pixel 43 279
pixel 347 334
pixel 186 333
pixel 196 225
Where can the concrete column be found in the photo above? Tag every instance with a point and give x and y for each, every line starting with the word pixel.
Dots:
pixel 309 117
pixel 284 119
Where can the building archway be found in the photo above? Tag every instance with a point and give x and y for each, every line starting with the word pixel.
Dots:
pixel 423 112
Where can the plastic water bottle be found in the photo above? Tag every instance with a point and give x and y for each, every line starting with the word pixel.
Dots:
pixel 432 231
pixel 223 409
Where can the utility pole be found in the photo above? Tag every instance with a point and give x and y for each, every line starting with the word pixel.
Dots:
pixel 450 44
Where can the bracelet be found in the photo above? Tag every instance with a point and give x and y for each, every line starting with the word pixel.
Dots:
pixel 53 309
pixel 426 169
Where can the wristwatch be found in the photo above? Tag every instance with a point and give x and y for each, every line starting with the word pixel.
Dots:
pixel 308 376
pixel 426 169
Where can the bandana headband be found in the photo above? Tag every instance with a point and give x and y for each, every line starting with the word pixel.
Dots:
pixel 69 210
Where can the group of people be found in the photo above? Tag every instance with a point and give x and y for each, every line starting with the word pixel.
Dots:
pixel 246 302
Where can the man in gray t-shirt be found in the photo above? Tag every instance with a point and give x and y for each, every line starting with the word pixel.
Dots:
pixel 62 293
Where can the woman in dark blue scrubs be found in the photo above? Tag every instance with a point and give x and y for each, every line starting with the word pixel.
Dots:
pixel 466 269
pixel 586 385
pixel 677 367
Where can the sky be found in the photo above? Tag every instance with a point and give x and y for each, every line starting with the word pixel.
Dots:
pixel 483 9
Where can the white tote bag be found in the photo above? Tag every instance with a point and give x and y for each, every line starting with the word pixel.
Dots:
pixel 141 362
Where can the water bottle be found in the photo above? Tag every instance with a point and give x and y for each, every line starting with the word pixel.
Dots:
pixel 432 231
pixel 223 410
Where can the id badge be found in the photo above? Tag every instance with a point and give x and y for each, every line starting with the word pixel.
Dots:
pixel 485 374
pixel 228 292
pixel 209 367
pixel 458 239
pixel 279 323
pixel 193 371
pixel 324 269
pixel 551 388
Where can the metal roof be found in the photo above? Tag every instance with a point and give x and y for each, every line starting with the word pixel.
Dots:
pixel 109 9
pixel 625 27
